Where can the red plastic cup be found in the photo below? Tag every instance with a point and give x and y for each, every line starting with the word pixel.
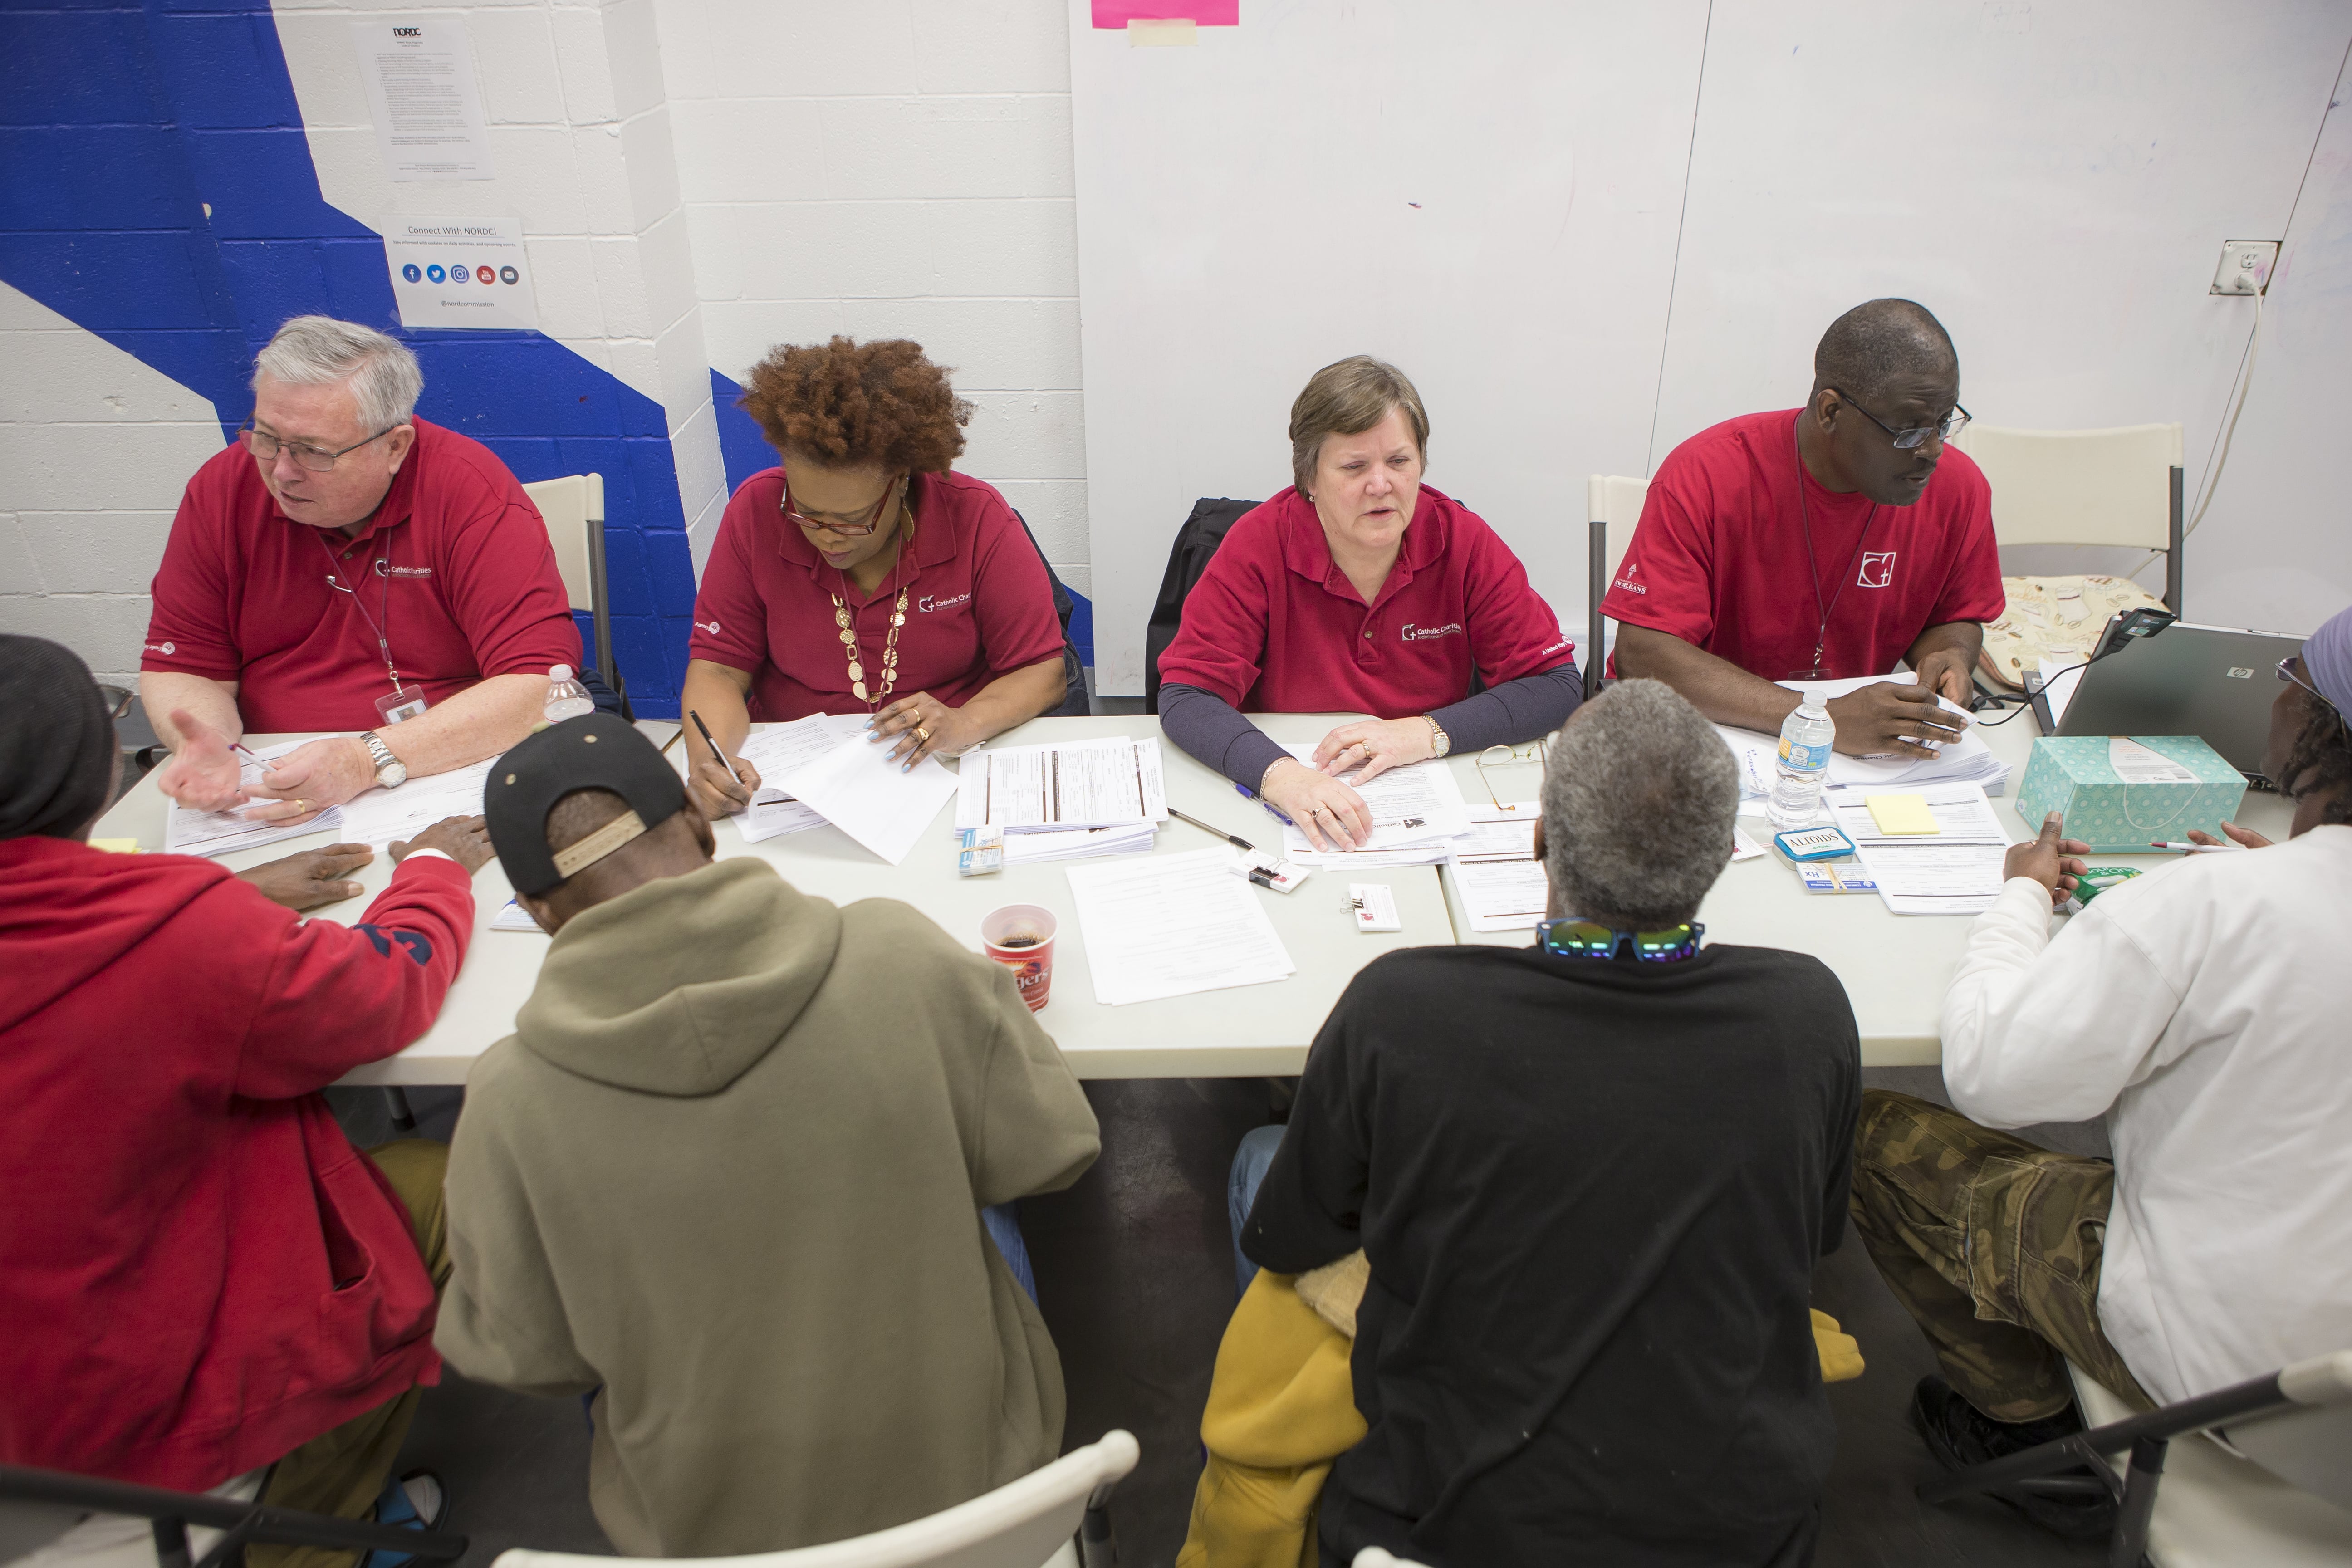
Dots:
pixel 1021 938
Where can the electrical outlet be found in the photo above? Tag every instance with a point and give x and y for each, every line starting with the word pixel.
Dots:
pixel 2245 266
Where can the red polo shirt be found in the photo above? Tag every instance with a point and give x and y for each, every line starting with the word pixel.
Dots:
pixel 979 606
pixel 455 566
pixel 1719 557
pixel 1275 626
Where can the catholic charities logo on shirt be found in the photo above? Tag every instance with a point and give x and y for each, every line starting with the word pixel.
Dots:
pixel 166 648
pixel 711 627
pixel 1877 568
pixel 409 570
pixel 927 604
pixel 1425 634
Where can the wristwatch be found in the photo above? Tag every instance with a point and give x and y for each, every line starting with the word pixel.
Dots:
pixel 391 773
pixel 1440 743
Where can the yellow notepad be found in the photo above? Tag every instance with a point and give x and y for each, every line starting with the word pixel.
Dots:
pixel 116 845
pixel 1899 816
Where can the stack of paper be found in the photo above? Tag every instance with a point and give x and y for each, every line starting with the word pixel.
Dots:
pixel 382 816
pixel 1966 760
pixel 1417 813
pixel 1080 842
pixel 1168 925
pixel 1956 871
pixel 856 787
pixel 187 832
pixel 780 751
pixel 1106 781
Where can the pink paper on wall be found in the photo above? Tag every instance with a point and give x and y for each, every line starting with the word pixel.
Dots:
pixel 1202 13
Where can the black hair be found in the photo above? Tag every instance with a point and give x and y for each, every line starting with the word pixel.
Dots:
pixel 1870 347
pixel 2323 749
pixel 57 741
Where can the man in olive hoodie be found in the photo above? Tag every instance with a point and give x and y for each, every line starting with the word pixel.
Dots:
pixel 730 1169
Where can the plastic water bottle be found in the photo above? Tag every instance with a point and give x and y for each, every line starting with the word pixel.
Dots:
pixel 566 698
pixel 1805 737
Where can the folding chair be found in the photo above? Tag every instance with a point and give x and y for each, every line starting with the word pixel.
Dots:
pixel 2119 486
pixel 2213 1507
pixel 1021 1524
pixel 1612 505
pixel 572 507
pixel 61 1495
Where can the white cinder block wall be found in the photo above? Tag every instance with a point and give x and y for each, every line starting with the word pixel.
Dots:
pixel 94 449
pixel 896 168
pixel 581 151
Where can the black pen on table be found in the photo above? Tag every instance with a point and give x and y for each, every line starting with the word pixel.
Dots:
pixel 714 749
pixel 1237 842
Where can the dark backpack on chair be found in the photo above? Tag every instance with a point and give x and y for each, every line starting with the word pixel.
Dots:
pixel 1196 541
pixel 1074 669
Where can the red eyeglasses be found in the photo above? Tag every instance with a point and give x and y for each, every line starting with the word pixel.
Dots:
pixel 835 524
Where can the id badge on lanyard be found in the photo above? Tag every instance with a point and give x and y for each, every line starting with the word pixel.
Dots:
pixel 401 703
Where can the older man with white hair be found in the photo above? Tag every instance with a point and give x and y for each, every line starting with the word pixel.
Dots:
pixel 1590 1178
pixel 348 566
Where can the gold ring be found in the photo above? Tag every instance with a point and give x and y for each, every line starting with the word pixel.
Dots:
pixel 300 804
pixel 922 734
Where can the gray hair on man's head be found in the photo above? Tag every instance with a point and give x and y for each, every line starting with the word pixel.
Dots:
pixel 320 351
pixel 1639 793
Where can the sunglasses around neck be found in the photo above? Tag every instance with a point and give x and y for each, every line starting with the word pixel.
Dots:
pixel 1570 937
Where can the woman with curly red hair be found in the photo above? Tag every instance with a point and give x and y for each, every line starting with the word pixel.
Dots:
pixel 863 574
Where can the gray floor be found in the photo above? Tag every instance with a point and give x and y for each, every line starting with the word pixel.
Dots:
pixel 1134 1274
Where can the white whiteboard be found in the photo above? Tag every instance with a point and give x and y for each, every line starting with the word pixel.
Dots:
pixel 2053 179
pixel 1245 216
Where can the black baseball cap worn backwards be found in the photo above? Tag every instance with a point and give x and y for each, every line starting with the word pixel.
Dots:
pixel 597 751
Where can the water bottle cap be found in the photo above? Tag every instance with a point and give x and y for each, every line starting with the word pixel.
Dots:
pixel 1810 696
pixel 560 672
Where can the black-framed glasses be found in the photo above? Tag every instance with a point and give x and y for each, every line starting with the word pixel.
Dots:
pixel 833 524
pixel 264 447
pixel 1912 437
pixel 1573 938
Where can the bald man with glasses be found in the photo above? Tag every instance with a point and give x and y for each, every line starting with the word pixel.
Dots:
pixel 348 566
pixel 1823 543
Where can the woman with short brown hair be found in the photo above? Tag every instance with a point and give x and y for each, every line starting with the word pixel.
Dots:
pixel 864 574
pixel 1361 588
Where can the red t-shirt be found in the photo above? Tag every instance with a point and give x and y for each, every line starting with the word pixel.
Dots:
pixel 1719 557
pixel 979 606
pixel 1275 626
pixel 455 566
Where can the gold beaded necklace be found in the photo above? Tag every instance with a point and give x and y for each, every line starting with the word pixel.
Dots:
pixel 841 618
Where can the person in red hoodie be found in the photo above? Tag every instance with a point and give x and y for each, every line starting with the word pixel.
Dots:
pixel 199 1276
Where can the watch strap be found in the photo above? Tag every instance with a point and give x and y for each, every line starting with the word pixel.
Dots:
pixel 1440 743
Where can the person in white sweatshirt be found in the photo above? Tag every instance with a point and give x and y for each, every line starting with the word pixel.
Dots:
pixel 2201 1011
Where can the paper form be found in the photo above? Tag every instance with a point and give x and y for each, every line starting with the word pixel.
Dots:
pixel 379 817
pixel 187 832
pixel 1495 837
pixel 1957 872
pixel 1502 895
pixel 1411 806
pixel 859 789
pixel 779 749
pixel 514 917
pixel 1100 783
pixel 1168 925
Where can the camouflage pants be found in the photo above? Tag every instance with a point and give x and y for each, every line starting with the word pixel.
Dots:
pixel 1993 1244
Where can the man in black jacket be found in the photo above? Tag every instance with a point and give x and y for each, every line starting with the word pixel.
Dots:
pixel 1591 1177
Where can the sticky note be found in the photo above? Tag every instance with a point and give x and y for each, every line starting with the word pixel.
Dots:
pixel 1899 816
pixel 116 845
pixel 1116 14
pixel 1153 33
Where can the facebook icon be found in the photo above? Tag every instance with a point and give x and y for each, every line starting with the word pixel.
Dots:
pixel 412 272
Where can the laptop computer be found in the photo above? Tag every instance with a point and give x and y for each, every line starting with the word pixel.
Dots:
pixel 2215 682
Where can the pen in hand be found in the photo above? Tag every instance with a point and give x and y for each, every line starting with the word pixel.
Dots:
pixel 714 749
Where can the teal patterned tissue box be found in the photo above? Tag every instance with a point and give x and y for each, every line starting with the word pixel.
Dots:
pixel 2122 794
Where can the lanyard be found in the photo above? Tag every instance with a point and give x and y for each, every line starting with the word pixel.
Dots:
pixel 382 641
pixel 1804 515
